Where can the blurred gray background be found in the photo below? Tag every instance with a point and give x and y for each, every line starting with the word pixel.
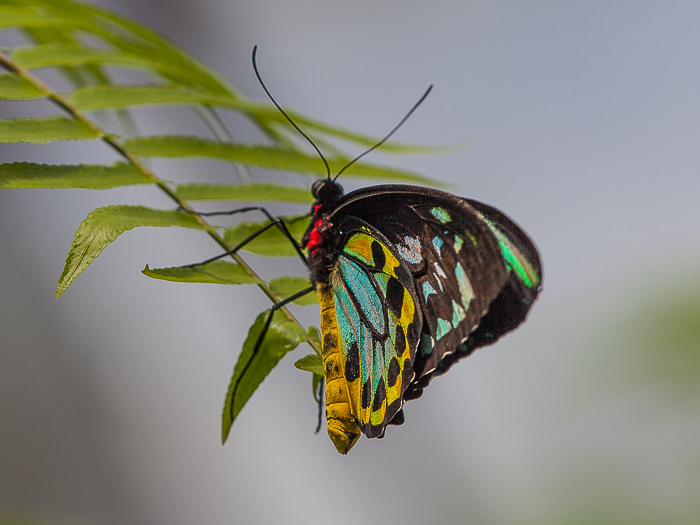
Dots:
pixel 581 120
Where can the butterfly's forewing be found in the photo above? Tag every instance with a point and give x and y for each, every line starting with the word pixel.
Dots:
pixel 510 308
pixel 377 326
pixel 476 273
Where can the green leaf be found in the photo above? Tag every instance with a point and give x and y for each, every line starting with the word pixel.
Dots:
pixel 136 40
pixel 156 48
pixel 90 176
pixel 311 363
pixel 166 64
pixel 54 36
pixel 245 192
pixel 13 87
pixel 283 287
pixel 272 242
pixel 33 57
pixel 44 129
pixel 78 76
pixel 314 337
pixel 216 272
pixel 263 156
pixel 91 98
pixel 103 225
pixel 316 378
pixel 136 46
pixel 27 17
pixel 282 336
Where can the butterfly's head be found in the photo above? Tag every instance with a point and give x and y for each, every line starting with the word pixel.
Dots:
pixel 319 238
pixel 326 191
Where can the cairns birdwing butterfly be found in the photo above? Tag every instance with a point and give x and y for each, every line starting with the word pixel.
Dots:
pixel 410 280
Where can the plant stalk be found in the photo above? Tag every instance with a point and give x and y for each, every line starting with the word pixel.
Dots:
pixel 74 112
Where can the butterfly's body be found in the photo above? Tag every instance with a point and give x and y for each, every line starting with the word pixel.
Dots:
pixel 410 280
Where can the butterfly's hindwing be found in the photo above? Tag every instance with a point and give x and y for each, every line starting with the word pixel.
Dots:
pixel 378 325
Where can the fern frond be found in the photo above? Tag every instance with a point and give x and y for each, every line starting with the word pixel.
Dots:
pixel 86 176
pixel 103 225
pixel 44 129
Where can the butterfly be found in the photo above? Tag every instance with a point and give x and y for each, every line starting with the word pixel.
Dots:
pixel 409 280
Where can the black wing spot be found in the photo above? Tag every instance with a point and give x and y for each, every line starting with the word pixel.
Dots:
pixel 378 256
pixel 379 395
pixel 413 329
pixel 366 394
pixel 352 364
pixel 407 370
pixel 393 372
pixel 400 343
pixel 402 274
pixel 394 296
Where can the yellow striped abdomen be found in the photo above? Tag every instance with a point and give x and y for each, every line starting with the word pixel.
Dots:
pixel 340 423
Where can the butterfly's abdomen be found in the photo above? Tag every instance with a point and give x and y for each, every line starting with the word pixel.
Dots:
pixel 340 423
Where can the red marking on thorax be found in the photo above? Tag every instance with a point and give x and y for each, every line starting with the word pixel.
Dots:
pixel 314 237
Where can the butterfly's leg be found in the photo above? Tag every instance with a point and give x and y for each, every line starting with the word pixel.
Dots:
pixel 261 337
pixel 320 405
pixel 277 222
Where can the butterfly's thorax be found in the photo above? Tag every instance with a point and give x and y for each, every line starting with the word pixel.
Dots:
pixel 321 249
pixel 320 239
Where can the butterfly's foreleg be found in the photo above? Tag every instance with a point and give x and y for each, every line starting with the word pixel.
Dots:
pixel 263 333
pixel 320 405
pixel 277 222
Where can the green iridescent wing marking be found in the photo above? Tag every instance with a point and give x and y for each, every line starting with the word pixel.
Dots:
pixel 517 249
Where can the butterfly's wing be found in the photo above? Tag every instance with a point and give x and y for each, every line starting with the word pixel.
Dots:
pixel 524 281
pixel 373 329
pixel 476 273
pixel 508 309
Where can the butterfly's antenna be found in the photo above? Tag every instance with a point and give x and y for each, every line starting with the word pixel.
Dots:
pixel 415 106
pixel 257 74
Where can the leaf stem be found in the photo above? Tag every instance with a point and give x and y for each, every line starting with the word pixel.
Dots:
pixel 10 65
